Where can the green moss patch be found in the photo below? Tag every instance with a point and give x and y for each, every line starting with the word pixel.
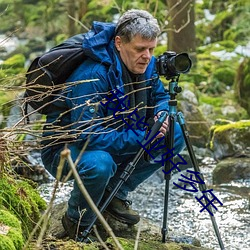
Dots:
pixel 230 134
pixel 10 231
pixel 22 200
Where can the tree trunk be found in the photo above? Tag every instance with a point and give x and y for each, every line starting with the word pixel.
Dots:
pixel 71 6
pixel 181 27
pixel 83 7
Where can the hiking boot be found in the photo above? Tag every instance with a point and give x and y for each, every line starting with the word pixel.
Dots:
pixel 121 211
pixel 75 231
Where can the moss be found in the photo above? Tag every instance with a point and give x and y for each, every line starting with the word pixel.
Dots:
pixel 219 131
pixel 16 237
pixel 235 125
pixel 128 244
pixel 13 239
pixel 9 219
pixel 225 75
pixel 16 61
pixel 229 45
pixel 13 71
pixel 21 199
pixel 6 243
pixel 219 103
pixel 214 101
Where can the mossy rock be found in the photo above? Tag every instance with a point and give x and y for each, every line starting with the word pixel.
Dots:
pixel 231 139
pixel 22 200
pixel 128 244
pixel 11 237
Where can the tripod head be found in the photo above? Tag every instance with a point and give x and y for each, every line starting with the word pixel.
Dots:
pixel 174 89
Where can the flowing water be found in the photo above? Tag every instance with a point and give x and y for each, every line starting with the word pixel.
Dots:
pixel 184 216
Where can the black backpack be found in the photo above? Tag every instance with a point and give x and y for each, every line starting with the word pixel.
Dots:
pixel 47 74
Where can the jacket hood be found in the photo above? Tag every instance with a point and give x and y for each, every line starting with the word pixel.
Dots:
pixel 98 43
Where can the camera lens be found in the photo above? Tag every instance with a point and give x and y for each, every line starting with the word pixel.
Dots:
pixel 182 63
pixel 170 64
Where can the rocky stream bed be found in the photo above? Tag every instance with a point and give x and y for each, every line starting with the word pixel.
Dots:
pixel 185 221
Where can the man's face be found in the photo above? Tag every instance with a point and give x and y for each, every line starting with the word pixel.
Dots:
pixel 137 53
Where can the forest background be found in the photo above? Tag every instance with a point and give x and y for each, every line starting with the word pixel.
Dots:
pixel 214 33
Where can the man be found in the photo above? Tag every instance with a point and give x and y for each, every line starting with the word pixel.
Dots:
pixel 109 115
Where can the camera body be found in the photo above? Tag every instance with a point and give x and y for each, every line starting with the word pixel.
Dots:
pixel 171 65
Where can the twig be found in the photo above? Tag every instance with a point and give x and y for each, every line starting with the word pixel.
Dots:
pixel 137 236
pixel 66 154
pixel 77 21
pixel 99 238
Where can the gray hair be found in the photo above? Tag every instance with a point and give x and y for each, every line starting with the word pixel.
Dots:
pixel 137 22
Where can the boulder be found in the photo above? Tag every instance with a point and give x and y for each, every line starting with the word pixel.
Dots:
pixel 197 125
pixel 231 139
pixel 150 235
pixel 231 169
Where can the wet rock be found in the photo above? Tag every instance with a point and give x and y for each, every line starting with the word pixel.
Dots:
pixel 232 139
pixel 197 125
pixel 231 169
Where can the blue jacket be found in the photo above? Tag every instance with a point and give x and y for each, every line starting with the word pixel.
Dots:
pixel 87 118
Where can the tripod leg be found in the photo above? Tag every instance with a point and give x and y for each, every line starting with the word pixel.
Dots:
pixel 196 168
pixel 170 144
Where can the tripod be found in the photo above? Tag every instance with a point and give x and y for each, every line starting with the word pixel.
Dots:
pixel 173 90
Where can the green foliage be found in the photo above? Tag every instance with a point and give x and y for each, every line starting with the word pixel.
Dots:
pixel 242 84
pixel 22 200
pixel 219 102
pixel 216 67
pixel 225 75
pixel 160 49
pixel 229 23
pixel 12 67
pixel 221 23
pixel 214 101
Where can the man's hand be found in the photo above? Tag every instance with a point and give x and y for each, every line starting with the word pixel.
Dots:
pixel 165 126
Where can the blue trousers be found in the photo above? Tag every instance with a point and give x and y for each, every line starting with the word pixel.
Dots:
pixel 100 170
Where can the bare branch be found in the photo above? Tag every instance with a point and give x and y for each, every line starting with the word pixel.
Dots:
pixel 66 154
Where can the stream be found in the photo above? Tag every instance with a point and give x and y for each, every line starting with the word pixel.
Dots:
pixel 184 216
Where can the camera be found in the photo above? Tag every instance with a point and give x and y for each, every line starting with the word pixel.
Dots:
pixel 171 65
